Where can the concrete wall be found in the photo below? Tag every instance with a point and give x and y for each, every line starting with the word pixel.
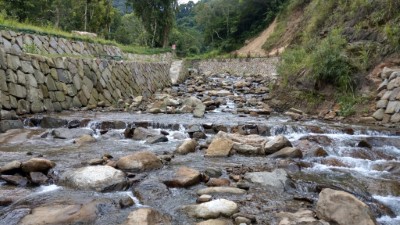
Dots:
pixel 33 83
pixel 239 66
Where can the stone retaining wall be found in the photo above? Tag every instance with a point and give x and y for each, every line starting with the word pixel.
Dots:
pixel 33 83
pixel 15 42
pixel 240 66
pixel 388 105
pixel 20 42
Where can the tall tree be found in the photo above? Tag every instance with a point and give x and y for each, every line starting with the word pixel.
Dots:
pixel 158 17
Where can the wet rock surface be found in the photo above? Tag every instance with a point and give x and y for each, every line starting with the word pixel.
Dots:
pixel 239 163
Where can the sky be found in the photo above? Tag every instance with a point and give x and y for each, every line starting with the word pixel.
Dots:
pixel 186 1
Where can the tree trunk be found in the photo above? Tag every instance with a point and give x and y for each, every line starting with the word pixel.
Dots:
pixel 166 37
pixel 86 15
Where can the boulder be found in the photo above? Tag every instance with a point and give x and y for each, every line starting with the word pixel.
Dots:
pixel 11 167
pixel 220 146
pixel 65 133
pixel 302 216
pixel 84 139
pixel 49 122
pixel 6 125
pixel 37 165
pixel 183 177
pixel 199 111
pixel 276 144
pixel 147 216
pixel 38 178
pixel 343 208
pixel 141 133
pixel 156 139
pixel 96 178
pixel 186 147
pixel 152 192
pixel 212 209
pixel 139 161
pixel 287 152
pixel 276 179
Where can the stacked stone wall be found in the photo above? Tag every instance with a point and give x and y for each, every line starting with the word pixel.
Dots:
pixel 21 42
pixel 34 83
pixel 239 66
pixel 388 99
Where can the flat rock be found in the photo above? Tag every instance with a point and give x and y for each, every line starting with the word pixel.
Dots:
pixel 147 216
pixel 17 180
pixel 139 161
pixel 214 190
pixel 287 152
pixel 156 139
pixel 276 179
pixel 62 214
pixel 343 208
pixel 215 222
pixel 65 133
pixel 219 147
pixel 212 209
pixel 97 178
pixel 183 177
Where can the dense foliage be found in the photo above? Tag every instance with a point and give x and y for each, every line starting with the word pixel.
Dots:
pixel 195 28
pixel 158 18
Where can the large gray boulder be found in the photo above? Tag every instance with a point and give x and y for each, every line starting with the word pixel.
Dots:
pixel 95 178
pixel 343 208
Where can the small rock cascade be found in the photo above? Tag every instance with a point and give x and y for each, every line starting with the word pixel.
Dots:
pixel 388 104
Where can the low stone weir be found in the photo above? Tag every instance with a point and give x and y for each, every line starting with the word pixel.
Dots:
pixel 239 66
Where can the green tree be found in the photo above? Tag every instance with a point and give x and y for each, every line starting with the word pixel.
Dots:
pixel 158 17
pixel 131 31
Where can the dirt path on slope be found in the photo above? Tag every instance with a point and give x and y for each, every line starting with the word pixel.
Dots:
pixel 255 46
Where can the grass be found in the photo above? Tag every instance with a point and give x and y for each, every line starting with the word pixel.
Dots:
pixel 8 24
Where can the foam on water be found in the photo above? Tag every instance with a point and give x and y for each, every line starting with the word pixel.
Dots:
pixel 46 189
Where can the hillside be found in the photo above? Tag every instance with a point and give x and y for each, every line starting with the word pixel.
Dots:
pixel 334 50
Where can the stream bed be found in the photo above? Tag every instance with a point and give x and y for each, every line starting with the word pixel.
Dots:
pixel 364 161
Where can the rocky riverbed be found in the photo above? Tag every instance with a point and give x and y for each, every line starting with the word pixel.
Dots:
pixel 209 151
